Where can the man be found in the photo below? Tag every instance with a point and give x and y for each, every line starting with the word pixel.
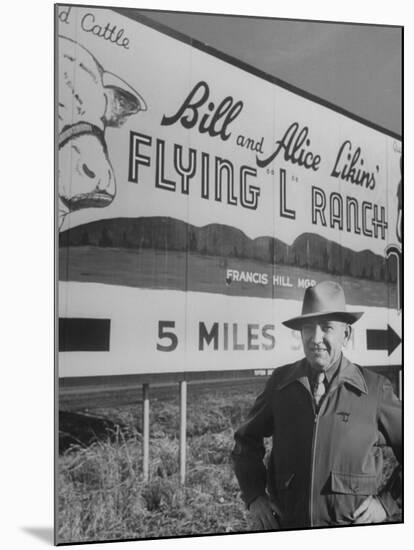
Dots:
pixel 328 419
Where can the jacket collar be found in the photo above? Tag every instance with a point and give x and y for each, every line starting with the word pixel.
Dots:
pixel 348 373
pixel 352 375
pixel 298 372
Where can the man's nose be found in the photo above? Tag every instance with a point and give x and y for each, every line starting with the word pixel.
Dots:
pixel 317 335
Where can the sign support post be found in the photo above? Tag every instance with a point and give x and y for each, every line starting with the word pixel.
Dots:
pixel 183 429
pixel 145 430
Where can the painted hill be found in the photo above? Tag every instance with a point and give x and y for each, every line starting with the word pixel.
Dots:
pixel 167 234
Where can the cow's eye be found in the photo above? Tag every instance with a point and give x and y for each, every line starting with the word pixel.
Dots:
pixel 88 172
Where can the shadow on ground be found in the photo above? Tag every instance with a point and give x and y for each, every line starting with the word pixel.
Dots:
pixel 82 429
pixel 44 534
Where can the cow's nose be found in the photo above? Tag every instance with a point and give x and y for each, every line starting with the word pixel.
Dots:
pixel 107 183
pixel 88 172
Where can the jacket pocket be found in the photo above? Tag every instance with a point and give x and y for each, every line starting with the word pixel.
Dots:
pixel 353 484
pixel 285 495
pixel 283 481
pixel 346 492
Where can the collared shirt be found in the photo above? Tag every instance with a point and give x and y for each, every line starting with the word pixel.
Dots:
pixel 330 374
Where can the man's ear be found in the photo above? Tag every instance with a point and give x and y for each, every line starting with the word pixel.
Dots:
pixel 347 334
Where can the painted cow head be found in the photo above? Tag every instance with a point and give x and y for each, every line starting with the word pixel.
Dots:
pixel 90 100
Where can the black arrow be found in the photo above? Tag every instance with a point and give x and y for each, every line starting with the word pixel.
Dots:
pixel 383 339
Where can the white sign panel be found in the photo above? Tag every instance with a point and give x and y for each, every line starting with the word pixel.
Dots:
pixel 198 200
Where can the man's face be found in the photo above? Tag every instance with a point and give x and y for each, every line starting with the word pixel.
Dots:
pixel 322 340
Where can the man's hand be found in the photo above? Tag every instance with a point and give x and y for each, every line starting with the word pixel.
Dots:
pixel 370 511
pixel 264 513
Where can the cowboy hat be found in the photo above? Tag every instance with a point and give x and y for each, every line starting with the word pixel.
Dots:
pixel 324 299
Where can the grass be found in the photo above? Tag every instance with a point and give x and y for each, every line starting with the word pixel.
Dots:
pixel 102 494
pixel 101 491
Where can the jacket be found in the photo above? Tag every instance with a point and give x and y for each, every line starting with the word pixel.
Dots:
pixel 322 465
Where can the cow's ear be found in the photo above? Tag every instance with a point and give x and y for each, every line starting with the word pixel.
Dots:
pixel 122 101
pixel 120 104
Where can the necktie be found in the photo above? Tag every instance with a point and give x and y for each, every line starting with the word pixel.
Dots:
pixel 319 389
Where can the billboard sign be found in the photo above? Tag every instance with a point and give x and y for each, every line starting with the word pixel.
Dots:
pixel 197 201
